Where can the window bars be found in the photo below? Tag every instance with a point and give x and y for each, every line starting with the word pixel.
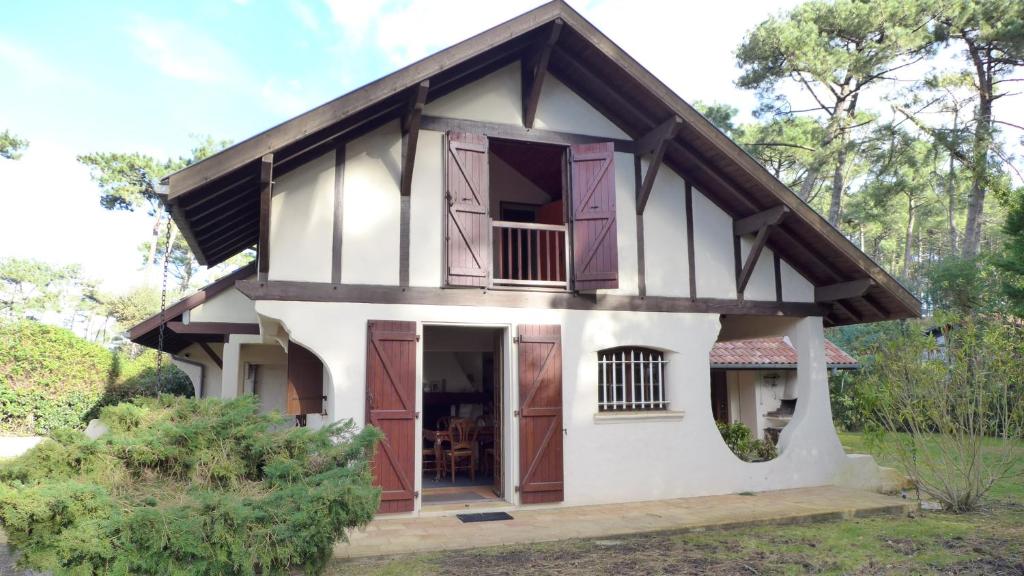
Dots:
pixel 631 378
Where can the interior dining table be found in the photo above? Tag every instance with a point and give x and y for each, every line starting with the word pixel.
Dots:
pixel 484 434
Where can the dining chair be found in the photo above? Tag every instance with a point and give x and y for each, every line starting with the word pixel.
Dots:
pixel 462 435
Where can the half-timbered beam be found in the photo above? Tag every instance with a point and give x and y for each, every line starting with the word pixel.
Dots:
pixel 213 355
pixel 751 261
pixel 842 290
pixel 653 144
pixel 411 133
pixel 222 328
pixel 266 171
pixel 535 70
pixel 751 224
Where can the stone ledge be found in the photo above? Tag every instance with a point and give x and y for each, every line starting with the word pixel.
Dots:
pixel 652 416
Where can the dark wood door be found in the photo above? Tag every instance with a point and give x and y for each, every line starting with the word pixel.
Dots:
pixel 499 407
pixel 467 225
pixel 594 237
pixel 305 381
pixel 391 407
pixel 541 477
pixel 719 396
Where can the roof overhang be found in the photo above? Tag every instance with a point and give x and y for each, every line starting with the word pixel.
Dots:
pixel 215 201
pixel 147 332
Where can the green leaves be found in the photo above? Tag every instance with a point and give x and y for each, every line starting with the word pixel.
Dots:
pixel 11 146
pixel 142 499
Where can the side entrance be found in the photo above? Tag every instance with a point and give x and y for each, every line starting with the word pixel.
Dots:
pixel 443 397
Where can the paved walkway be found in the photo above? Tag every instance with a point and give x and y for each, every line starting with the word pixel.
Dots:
pixel 386 536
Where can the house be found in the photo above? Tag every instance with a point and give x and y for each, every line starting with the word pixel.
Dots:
pixel 535 211
pixel 753 381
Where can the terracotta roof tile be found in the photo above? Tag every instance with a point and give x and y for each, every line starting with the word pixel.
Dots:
pixel 776 352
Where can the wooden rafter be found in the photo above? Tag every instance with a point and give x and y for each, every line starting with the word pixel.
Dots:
pixel 653 144
pixel 751 261
pixel 842 290
pixel 755 222
pixel 535 70
pixel 762 223
pixel 266 171
pixel 213 355
pixel 411 133
pixel 222 328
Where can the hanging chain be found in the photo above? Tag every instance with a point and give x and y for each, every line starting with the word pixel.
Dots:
pixel 163 308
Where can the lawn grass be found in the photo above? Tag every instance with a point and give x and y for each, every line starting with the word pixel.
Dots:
pixel 990 541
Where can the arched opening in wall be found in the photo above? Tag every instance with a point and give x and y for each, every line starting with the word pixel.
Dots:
pixel 753 387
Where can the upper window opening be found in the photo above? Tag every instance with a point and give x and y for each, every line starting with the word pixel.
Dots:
pixel 631 378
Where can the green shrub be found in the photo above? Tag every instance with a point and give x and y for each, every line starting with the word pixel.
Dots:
pixel 184 486
pixel 50 378
pixel 738 438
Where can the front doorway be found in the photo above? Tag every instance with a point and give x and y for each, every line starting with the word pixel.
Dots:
pixel 463 425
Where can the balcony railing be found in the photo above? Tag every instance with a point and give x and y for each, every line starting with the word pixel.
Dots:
pixel 527 254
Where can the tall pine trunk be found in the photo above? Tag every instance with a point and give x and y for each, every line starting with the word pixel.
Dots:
pixel 908 239
pixel 979 154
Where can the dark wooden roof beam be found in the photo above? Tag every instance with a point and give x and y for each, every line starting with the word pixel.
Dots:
pixel 266 171
pixel 219 328
pixel 843 290
pixel 653 145
pixel 752 257
pixel 411 134
pixel 755 222
pixel 534 70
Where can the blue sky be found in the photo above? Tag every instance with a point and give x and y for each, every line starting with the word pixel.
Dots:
pixel 83 77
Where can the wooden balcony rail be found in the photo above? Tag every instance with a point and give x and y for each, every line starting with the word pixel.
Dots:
pixel 527 254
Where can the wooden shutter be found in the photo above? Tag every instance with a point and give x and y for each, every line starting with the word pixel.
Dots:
pixel 595 243
pixel 468 226
pixel 305 381
pixel 391 407
pixel 540 414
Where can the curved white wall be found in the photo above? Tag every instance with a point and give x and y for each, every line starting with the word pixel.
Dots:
pixel 607 462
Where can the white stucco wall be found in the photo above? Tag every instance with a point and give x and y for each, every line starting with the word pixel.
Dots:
pixel 625 225
pixel 427 212
pixel 228 306
pixel 496 97
pixel 302 222
pixel 211 382
pixel 714 263
pixel 795 288
pixel 561 109
pixel 667 270
pixel 678 457
pixel 370 229
pixel 761 285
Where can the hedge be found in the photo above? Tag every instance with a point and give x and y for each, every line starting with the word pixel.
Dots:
pixel 184 486
pixel 50 378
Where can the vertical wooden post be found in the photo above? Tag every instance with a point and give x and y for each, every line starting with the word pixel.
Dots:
pixel 265 190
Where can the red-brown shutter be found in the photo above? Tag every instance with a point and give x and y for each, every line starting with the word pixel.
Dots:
pixel 305 381
pixel 540 414
pixel 391 407
pixel 468 227
pixel 595 243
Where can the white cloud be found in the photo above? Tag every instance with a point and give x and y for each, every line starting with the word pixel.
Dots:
pixel 305 15
pixel 287 98
pixel 182 52
pixel 28 65
pixel 354 17
pixel 52 213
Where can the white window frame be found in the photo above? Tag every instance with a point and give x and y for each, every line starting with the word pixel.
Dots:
pixel 631 379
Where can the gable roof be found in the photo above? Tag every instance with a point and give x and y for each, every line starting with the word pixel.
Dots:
pixel 775 352
pixel 215 201
pixel 147 332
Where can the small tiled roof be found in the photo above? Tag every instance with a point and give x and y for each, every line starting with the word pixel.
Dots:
pixel 771 353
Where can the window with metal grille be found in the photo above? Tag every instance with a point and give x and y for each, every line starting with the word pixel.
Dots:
pixel 631 378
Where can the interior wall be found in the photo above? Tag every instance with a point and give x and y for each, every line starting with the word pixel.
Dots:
pixel 509 185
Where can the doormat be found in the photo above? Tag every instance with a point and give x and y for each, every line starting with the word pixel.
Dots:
pixel 484 517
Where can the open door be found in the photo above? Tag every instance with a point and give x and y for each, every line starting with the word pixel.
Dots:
pixel 391 407
pixel 541 477
pixel 467 224
pixel 594 237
